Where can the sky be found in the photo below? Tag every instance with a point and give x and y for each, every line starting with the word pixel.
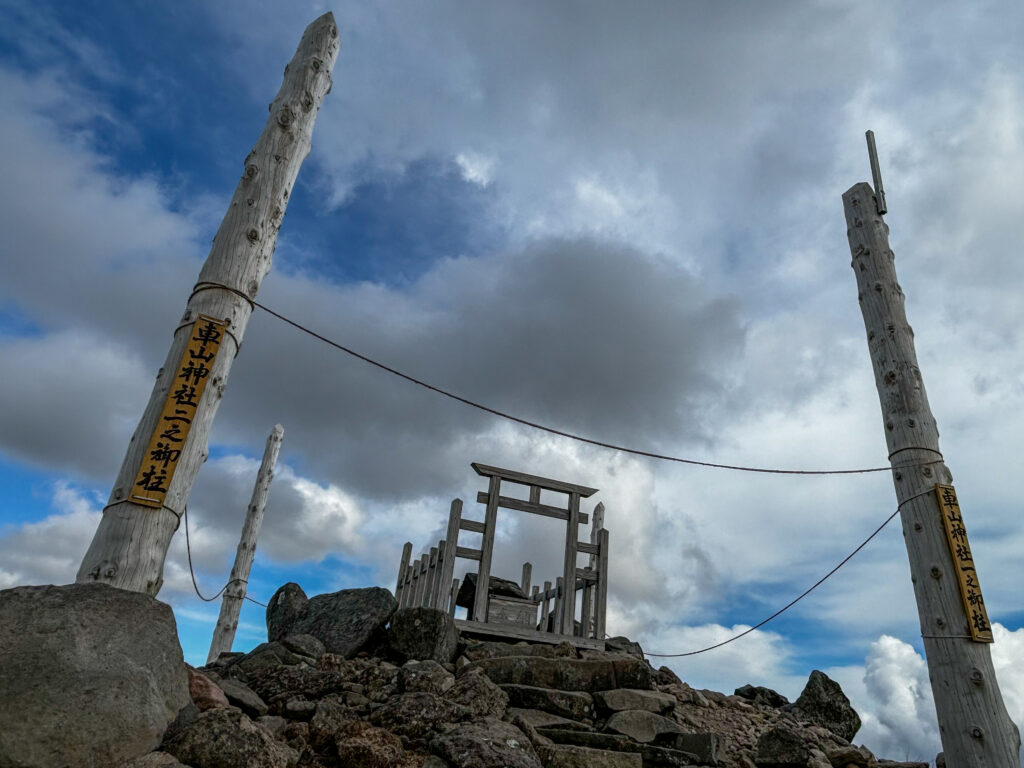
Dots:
pixel 619 220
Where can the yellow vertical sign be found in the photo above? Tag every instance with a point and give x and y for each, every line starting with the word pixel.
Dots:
pixel 963 562
pixel 183 396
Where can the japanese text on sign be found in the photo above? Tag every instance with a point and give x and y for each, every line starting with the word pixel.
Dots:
pixel 172 428
pixel 963 562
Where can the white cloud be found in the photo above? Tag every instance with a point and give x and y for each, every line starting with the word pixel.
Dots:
pixel 476 168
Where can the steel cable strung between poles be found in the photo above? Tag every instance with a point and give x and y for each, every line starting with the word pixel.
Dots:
pixel 800 597
pixel 559 432
pixel 191 570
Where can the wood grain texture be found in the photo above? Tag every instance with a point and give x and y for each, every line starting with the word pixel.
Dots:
pixel 234 593
pixel 572 532
pixel 975 728
pixel 452 547
pixel 483 580
pixel 131 541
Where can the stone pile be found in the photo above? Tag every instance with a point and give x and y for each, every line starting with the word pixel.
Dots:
pixel 348 681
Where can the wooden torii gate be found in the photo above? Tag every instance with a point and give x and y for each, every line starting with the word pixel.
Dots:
pixel 425 582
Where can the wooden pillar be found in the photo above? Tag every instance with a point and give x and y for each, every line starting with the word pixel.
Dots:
pixel 486 550
pixel 403 572
pixel 130 544
pixel 975 728
pixel 451 546
pixel 527 575
pixel 602 584
pixel 572 532
pixel 234 593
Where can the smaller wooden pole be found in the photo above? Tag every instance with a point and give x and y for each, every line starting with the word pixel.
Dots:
pixel 572 532
pixel 602 584
pixel 483 579
pixel 234 594
pixel 451 545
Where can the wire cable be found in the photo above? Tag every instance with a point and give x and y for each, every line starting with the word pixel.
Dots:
pixel 800 597
pixel 192 572
pixel 552 430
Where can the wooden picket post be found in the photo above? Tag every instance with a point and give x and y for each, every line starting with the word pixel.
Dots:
pixel 170 443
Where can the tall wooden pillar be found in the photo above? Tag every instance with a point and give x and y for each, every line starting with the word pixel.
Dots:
pixel 170 443
pixel 975 728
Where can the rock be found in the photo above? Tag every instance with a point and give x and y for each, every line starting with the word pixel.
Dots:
pixel 780 747
pixel 154 760
pixel 666 676
pixel 703 746
pixel 488 743
pixel 423 633
pixel 427 676
pixel 330 717
pixel 475 650
pixel 265 656
pixel 97 675
pixel 590 739
pixel 476 692
pixel 619 699
pixel 495 586
pixel 561 756
pixel 362 745
pixel 346 622
pixel 226 738
pixel 284 609
pixel 846 756
pixel 205 693
pixel 901 764
pixel 243 697
pixel 273 724
pixel 940 760
pixel 641 725
pixel 415 716
pixel 624 645
pixel 823 703
pixel 574 705
pixel 304 645
pixel 540 719
pixel 761 695
pixel 566 674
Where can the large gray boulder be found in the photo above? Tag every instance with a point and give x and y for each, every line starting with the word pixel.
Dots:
pixel 423 634
pixel 346 622
pixel 284 609
pixel 487 743
pixel 226 738
pixel 90 675
pixel 823 703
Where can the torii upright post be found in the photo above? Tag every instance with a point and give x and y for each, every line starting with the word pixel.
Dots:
pixel 234 592
pixel 170 443
pixel 975 728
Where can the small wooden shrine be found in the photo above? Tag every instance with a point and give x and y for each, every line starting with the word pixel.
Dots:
pixel 498 607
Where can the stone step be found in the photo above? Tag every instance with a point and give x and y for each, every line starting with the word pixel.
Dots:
pixel 559 756
pixel 575 705
pixel 540 719
pixel 621 699
pixel 567 674
pixel 653 756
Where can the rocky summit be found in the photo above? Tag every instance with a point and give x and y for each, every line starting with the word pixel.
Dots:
pixel 349 681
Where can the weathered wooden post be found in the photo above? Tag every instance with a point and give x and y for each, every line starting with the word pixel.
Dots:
pixel 234 592
pixel 975 728
pixel 163 457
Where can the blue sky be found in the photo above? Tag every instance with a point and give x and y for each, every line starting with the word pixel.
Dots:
pixel 621 222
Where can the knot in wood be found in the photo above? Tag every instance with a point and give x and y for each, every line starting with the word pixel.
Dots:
pixel 936 572
pixel 858 222
pixel 316 64
pixel 977 733
pixel 307 101
pixel 977 677
pixel 253 235
pixel 251 171
pixel 890 378
pixel 285 117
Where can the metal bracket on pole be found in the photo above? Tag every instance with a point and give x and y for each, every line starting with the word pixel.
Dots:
pixel 876 174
